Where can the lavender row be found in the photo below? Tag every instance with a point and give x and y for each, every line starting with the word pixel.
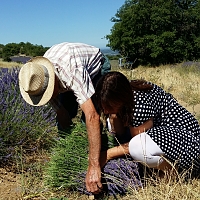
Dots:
pixel 22 126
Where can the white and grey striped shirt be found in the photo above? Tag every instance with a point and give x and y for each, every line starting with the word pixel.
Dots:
pixel 76 64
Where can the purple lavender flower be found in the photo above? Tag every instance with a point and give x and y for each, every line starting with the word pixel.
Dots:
pixel 21 123
pixel 119 176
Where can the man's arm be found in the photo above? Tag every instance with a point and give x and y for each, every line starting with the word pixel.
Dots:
pixel 93 177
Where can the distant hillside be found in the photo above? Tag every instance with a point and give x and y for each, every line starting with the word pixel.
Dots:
pixel 108 51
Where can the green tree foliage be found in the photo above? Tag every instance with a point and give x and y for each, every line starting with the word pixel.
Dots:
pixel 9 50
pixel 28 49
pixel 1 50
pixel 157 32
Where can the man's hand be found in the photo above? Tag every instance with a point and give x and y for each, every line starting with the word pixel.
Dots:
pixel 93 179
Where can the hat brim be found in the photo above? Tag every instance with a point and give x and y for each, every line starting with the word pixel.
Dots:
pixel 46 96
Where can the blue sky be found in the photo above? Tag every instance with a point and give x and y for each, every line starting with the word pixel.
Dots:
pixel 48 22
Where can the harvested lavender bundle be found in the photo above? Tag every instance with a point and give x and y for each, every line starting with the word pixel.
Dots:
pixel 119 176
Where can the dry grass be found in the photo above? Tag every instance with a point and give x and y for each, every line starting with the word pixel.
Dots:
pixel 4 64
pixel 182 82
pixel 173 190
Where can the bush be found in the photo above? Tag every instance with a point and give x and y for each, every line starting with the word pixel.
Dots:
pixel 68 165
pixel 23 128
pixel 68 159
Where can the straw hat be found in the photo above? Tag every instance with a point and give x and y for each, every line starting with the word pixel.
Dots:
pixel 36 81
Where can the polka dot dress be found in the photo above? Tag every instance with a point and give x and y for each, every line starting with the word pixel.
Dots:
pixel 175 130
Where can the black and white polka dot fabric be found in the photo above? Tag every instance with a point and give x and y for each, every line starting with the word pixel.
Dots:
pixel 175 130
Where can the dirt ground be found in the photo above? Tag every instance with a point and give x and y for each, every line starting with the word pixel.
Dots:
pixel 9 185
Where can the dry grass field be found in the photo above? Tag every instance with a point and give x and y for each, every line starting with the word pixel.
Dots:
pixel 9 64
pixel 183 83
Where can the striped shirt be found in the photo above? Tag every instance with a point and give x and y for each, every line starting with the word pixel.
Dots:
pixel 76 64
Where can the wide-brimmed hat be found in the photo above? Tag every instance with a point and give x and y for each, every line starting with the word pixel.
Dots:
pixel 36 81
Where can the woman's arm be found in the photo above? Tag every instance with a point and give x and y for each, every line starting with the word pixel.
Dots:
pixel 142 128
pixel 122 149
pixel 114 152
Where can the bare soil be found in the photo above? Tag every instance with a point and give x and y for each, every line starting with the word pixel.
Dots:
pixel 9 185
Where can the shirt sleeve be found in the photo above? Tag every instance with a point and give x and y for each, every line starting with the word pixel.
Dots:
pixel 82 85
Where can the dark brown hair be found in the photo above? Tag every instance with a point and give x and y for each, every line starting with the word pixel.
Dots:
pixel 114 89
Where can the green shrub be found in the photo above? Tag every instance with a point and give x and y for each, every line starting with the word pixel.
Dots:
pixel 69 159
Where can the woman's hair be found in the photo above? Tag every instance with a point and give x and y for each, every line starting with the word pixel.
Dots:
pixel 114 90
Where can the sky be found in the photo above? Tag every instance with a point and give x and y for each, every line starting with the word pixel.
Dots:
pixel 49 22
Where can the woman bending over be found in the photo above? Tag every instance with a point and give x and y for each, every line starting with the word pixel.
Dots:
pixel 162 131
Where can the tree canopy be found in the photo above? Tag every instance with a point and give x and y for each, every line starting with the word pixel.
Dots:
pixel 157 32
pixel 28 49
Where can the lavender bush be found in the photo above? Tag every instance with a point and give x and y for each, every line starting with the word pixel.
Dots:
pixel 119 176
pixel 68 159
pixel 23 128
pixel 68 165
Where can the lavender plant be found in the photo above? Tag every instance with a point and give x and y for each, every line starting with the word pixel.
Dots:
pixel 119 176
pixel 69 159
pixel 68 165
pixel 23 127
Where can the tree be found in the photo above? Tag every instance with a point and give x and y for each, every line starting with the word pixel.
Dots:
pixel 9 50
pixel 28 49
pixel 157 31
pixel 1 50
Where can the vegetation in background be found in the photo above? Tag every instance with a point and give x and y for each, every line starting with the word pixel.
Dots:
pixel 113 57
pixel 28 49
pixel 181 80
pixel 5 64
pixel 157 32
